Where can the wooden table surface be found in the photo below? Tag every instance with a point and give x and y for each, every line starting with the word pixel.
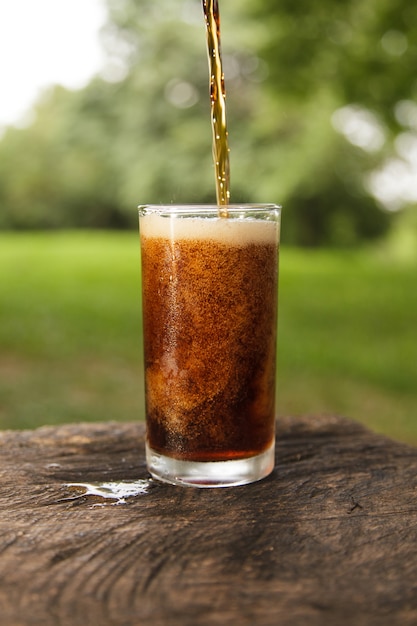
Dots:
pixel 330 538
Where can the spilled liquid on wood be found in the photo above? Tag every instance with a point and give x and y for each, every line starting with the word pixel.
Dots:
pixel 112 490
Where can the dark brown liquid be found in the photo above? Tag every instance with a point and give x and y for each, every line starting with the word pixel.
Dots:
pixel 218 104
pixel 210 334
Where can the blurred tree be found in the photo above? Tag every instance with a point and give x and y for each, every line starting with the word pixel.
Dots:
pixel 55 173
pixel 343 67
pixel 312 93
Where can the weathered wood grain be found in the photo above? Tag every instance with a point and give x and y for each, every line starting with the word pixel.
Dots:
pixel 329 538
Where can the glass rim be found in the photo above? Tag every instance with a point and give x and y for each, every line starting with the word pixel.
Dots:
pixel 211 208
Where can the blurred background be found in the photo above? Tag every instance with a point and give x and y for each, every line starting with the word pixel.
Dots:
pixel 104 105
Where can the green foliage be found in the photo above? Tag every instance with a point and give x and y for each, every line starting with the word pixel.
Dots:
pixel 56 173
pixel 91 156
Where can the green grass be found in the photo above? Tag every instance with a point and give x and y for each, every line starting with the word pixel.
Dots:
pixel 70 333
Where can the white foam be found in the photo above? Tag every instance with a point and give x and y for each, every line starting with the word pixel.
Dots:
pixel 223 230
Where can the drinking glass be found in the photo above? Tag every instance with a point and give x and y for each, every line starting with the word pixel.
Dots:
pixel 209 298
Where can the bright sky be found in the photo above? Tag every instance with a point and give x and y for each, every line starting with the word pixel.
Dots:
pixel 44 42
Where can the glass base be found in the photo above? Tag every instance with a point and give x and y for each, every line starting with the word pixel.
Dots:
pixel 210 473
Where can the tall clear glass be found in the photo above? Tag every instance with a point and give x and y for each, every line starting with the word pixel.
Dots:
pixel 210 287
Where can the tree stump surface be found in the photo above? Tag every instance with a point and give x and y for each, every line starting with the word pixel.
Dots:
pixel 329 538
